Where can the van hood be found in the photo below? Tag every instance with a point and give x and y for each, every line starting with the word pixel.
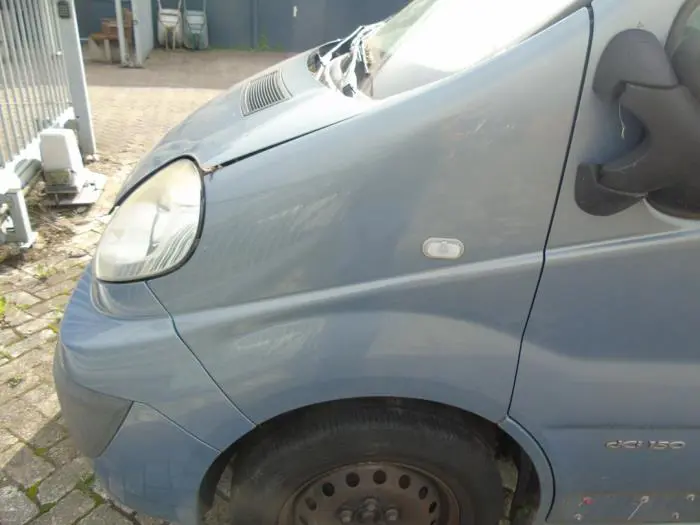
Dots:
pixel 219 132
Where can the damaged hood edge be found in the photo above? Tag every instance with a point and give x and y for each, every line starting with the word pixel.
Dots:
pixel 217 134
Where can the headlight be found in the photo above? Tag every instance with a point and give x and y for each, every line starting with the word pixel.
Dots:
pixel 154 230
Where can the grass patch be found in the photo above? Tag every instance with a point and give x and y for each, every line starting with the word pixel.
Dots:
pixel 15 381
pixel 99 500
pixel 85 486
pixel 41 451
pixel 85 483
pixel 43 272
pixel 32 491
pixel 43 509
pixel 263 44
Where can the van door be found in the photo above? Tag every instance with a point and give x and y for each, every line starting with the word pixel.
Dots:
pixel 609 374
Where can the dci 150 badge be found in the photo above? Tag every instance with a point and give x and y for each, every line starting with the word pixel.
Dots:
pixel 650 445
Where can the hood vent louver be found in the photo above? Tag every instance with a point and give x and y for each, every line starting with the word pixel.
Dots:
pixel 263 92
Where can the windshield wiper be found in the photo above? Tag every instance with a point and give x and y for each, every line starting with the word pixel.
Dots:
pixel 325 59
pixel 333 52
pixel 353 43
pixel 358 67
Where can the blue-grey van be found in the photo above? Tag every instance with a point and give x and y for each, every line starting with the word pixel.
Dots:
pixel 381 277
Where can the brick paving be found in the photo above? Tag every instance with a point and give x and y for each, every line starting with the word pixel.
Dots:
pixel 43 479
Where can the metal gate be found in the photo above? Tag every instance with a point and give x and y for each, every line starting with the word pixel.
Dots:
pixel 42 86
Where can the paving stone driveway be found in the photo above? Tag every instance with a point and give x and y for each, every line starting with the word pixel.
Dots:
pixel 43 479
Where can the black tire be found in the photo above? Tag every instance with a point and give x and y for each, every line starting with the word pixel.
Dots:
pixel 268 475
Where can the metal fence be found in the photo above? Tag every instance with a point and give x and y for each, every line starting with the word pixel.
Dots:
pixel 42 86
pixel 34 93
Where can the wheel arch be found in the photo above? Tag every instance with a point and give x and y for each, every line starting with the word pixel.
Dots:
pixel 534 489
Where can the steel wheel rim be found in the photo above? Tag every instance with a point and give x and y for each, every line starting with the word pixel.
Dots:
pixel 373 493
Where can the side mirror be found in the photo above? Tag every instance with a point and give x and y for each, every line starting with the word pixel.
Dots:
pixel 635 71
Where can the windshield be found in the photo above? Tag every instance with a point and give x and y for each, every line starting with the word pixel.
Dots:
pixel 430 39
pixel 385 39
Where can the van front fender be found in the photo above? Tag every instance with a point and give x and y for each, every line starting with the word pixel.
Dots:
pixel 450 336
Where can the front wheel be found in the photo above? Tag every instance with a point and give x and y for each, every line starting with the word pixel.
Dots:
pixel 367 465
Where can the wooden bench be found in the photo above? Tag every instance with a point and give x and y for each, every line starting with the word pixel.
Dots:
pixel 101 43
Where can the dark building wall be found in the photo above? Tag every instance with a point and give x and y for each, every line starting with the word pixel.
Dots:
pixel 262 23
pixel 317 21
pixel 91 12
pixel 229 21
